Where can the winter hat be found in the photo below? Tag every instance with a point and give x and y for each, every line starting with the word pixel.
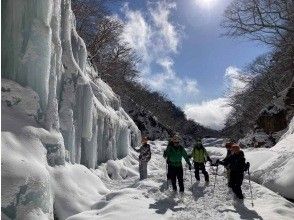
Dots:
pixel 176 138
pixel 199 141
pixel 229 145
pixel 236 148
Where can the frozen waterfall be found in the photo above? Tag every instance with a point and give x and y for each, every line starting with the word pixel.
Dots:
pixel 42 50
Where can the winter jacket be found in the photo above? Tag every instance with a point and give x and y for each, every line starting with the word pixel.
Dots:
pixel 199 154
pixel 229 153
pixel 145 153
pixel 174 154
pixel 236 162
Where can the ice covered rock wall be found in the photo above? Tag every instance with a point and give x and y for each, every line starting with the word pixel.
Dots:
pixel 42 50
pixel 52 112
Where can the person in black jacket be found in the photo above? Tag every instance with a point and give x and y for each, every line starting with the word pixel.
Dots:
pixel 144 157
pixel 229 153
pixel 170 143
pixel 236 162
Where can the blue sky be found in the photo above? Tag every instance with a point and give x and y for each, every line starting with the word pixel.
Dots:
pixel 184 55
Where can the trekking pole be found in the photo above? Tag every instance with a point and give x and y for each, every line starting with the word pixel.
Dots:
pixel 191 181
pixel 215 179
pixel 250 188
pixel 191 177
pixel 166 169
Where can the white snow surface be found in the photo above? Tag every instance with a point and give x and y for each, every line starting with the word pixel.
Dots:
pixel 31 188
pixel 274 167
pixel 149 199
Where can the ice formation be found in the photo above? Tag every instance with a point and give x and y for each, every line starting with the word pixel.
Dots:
pixel 42 50
pixel 53 112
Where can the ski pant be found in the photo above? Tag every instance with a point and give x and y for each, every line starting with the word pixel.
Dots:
pixel 174 174
pixel 228 176
pixel 168 171
pixel 143 169
pixel 236 179
pixel 200 166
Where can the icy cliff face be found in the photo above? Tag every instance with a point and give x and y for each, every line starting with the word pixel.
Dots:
pixel 53 114
pixel 42 50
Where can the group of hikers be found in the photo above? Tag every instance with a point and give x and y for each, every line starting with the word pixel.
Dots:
pixel 234 163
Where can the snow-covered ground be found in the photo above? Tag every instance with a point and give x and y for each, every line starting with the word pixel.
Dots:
pixel 149 199
pixel 30 187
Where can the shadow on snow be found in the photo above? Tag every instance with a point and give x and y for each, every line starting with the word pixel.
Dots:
pixel 243 211
pixel 163 205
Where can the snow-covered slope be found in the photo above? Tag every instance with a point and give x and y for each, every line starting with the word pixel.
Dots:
pixel 274 167
pixel 53 114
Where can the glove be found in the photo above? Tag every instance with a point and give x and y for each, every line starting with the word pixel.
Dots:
pixel 190 167
pixel 247 166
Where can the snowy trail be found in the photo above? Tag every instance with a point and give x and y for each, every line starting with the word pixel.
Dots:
pixel 149 199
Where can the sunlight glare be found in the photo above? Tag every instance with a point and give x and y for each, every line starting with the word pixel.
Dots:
pixel 206 4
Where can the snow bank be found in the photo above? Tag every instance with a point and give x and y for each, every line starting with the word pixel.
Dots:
pixel 258 139
pixel 118 169
pixel 75 189
pixel 123 204
pixel 274 167
pixel 216 142
pixel 30 186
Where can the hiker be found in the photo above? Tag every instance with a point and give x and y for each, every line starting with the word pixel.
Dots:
pixel 174 153
pixel 200 157
pixel 229 152
pixel 168 165
pixel 144 157
pixel 236 162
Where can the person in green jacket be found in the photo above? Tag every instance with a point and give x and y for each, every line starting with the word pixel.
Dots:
pixel 200 157
pixel 174 153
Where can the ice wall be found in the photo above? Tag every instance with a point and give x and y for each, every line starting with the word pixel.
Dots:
pixel 52 112
pixel 42 50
